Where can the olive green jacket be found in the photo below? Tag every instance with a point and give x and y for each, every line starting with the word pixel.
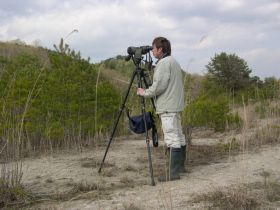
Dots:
pixel 167 88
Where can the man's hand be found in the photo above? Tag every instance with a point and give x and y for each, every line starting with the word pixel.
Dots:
pixel 140 91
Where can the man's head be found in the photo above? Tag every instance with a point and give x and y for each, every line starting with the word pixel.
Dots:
pixel 161 46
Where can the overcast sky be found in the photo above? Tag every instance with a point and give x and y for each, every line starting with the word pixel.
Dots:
pixel 197 29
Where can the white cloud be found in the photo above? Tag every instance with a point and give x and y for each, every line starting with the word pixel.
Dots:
pixel 254 54
pixel 268 9
pixel 204 42
pixel 226 5
pixel 197 29
pixel 262 61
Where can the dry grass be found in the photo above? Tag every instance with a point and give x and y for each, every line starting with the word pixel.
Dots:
pixel 261 124
pixel 273 191
pixel 86 187
pixel 244 197
pixel 12 193
pixel 130 168
pixel 111 172
pixel 81 190
pixel 127 182
pixel 232 198
pixel 269 134
pixel 257 195
pixel 131 206
pixel 95 163
pixel 206 154
pixel 49 180
pixel 109 168
pixel 142 160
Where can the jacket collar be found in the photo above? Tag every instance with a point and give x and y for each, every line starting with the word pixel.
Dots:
pixel 163 56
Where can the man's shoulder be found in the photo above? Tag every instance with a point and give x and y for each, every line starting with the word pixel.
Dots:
pixel 171 61
pixel 167 59
pixel 168 62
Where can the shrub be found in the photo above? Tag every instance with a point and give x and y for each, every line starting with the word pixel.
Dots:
pixel 53 106
pixel 211 112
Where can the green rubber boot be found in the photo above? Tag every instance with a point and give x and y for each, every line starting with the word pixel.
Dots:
pixel 183 159
pixel 174 166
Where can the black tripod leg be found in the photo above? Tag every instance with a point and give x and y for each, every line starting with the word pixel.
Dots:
pixel 117 121
pixel 154 131
pixel 140 80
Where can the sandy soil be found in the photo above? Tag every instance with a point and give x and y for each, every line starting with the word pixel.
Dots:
pixel 70 180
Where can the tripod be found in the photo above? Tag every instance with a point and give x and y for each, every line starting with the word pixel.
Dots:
pixel 139 73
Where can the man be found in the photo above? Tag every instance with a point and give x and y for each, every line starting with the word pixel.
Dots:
pixel 168 93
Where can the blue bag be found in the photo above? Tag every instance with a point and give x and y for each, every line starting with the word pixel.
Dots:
pixel 137 125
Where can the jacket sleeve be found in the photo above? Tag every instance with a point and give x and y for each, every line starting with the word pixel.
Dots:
pixel 160 80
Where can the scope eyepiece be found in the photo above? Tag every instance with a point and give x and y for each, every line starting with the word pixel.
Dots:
pixel 146 49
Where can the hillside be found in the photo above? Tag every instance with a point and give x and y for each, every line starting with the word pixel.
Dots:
pixel 57 113
pixel 50 99
pixel 10 50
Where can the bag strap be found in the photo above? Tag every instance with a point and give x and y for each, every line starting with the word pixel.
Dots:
pixel 127 112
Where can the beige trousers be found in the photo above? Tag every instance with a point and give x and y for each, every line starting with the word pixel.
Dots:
pixel 172 130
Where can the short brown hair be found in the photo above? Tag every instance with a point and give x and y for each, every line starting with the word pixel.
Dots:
pixel 162 42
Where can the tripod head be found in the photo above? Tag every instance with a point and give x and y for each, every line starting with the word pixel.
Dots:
pixel 136 54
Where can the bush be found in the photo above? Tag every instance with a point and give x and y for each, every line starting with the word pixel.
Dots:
pixel 119 64
pixel 271 88
pixel 54 106
pixel 211 112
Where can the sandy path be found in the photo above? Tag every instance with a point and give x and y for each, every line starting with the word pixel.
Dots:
pixel 240 169
pixel 53 174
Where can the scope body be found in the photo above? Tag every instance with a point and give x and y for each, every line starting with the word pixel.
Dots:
pixel 141 50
